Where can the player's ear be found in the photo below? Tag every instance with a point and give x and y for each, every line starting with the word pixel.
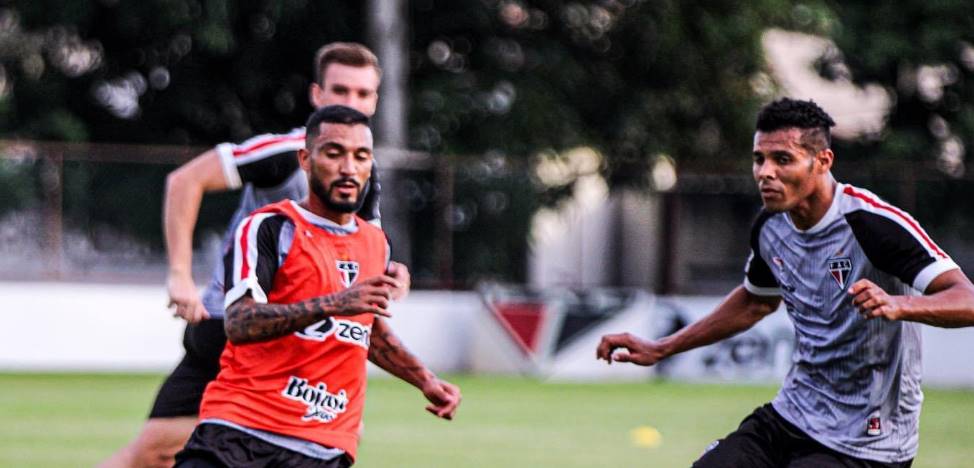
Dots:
pixel 316 95
pixel 825 159
pixel 304 159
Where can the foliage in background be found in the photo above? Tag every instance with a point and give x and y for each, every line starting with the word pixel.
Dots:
pixel 501 84
pixel 922 53
pixel 522 81
pixel 631 78
pixel 159 72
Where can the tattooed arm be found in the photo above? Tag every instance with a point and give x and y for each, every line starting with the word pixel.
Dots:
pixel 248 321
pixel 388 352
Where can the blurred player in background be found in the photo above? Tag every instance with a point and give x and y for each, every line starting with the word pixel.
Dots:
pixel 287 398
pixel 266 169
pixel 850 268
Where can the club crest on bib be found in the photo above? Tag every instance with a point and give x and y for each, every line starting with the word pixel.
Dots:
pixel 348 270
pixel 840 269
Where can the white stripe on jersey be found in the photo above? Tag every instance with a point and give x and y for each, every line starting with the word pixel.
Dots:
pixel 246 282
pixel 760 291
pixel 230 172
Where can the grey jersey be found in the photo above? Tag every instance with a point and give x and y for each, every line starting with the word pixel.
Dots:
pixel 267 168
pixel 854 384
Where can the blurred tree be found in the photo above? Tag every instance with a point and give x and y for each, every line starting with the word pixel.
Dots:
pixel 156 71
pixel 631 78
pixel 520 80
pixel 505 82
pixel 922 52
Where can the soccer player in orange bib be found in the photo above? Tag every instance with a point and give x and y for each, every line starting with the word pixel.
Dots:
pixel 286 398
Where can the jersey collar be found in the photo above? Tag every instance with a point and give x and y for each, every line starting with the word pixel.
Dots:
pixel 348 228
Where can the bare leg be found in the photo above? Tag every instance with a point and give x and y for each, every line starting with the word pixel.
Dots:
pixel 156 444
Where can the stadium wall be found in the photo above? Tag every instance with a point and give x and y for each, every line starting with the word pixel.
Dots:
pixel 80 327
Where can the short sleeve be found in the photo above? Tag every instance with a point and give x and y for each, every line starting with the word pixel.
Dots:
pixel 264 161
pixel 254 258
pixel 896 244
pixel 758 278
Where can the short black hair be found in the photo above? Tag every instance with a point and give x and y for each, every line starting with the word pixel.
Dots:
pixel 334 115
pixel 804 115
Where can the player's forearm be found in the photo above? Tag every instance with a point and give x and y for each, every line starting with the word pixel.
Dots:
pixel 388 352
pixel 738 312
pixel 184 193
pixel 247 321
pixel 180 211
pixel 950 308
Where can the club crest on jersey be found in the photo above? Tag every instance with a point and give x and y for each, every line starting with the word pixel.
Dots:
pixel 840 269
pixel 874 426
pixel 348 270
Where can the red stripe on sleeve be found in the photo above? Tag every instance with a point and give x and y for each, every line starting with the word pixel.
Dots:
pixel 264 144
pixel 899 214
pixel 244 234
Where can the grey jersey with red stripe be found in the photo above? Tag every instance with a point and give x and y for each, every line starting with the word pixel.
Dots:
pixel 854 384
pixel 266 167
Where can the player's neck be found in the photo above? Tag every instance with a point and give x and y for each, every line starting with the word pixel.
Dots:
pixel 315 205
pixel 812 209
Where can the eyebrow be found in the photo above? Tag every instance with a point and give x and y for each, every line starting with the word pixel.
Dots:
pixel 338 146
pixel 331 144
pixel 772 153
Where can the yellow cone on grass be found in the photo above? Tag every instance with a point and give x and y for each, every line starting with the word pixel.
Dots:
pixel 646 436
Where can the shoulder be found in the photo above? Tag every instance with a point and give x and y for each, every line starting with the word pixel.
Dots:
pixel 264 160
pixel 263 222
pixel 870 215
pixel 852 198
pixel 369 228
pixel 892 240
pixel 760 221
pixel 263 145
pixel 282 208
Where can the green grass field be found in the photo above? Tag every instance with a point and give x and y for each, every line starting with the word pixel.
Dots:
pixel 76 420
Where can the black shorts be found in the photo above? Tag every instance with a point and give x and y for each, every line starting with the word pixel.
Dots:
pixel 765 439
pixel 181 392
pixel 216 446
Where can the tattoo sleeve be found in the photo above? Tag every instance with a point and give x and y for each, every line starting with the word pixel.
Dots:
pixel 246 321
pixel 388 352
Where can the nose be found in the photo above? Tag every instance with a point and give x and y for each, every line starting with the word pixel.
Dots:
pixel 353 101
pixel 764 170
pixel 347 166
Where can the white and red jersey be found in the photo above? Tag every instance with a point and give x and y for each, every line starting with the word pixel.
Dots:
pixel 310 384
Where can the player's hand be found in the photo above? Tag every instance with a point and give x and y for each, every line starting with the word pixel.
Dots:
pixel 370 296
pixel 637 350
pixel 186 300
pixel 401 274
pixel 872 301
pixel 444 398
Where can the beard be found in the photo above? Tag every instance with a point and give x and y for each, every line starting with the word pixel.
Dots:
pixel 324 194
